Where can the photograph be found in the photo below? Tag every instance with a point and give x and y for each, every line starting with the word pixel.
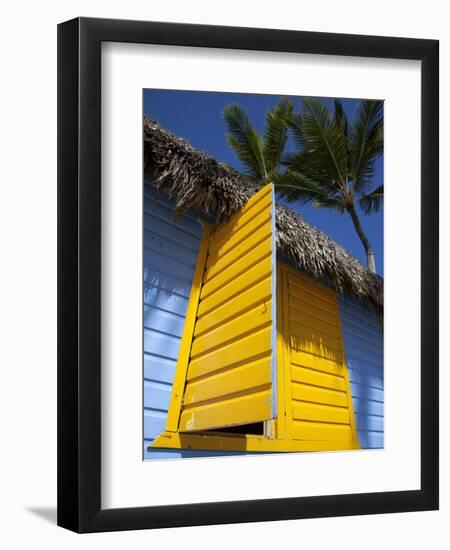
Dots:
pixel 237 296
pixel 263 274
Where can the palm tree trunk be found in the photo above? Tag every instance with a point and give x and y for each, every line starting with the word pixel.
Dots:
pixel 365 241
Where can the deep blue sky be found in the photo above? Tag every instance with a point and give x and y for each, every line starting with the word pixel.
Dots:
pixel 197 116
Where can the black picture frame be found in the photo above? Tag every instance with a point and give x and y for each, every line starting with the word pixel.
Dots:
pixel 79 274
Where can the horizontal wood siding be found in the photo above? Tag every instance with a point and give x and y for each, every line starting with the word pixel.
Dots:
pixel 363 340
pixel 170 254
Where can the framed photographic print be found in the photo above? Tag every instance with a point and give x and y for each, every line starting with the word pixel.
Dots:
pixel 248 275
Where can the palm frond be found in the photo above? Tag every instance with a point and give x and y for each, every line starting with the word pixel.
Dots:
pixel 340 116
pixel 366 143
pixel 276 134
pixel 295 125
pixel 372 201
pixel 342 123
pixel 322 136
pixel 245 141
pixel 299 188
pixel 305 163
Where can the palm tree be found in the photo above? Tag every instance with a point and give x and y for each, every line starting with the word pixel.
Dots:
pixel 335 165
pixel 261 155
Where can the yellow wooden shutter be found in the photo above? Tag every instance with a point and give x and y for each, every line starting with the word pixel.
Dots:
pixel 318 396
pixel 227 361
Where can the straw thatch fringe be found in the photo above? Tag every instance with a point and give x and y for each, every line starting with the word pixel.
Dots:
pixel 196 180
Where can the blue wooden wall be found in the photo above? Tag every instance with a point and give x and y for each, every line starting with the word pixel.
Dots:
pixel 170 254
pixel 363 340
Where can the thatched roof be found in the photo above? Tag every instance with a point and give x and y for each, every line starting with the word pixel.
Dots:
pixel 198 181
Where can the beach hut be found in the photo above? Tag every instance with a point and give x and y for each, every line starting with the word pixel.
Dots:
pixel 261 334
